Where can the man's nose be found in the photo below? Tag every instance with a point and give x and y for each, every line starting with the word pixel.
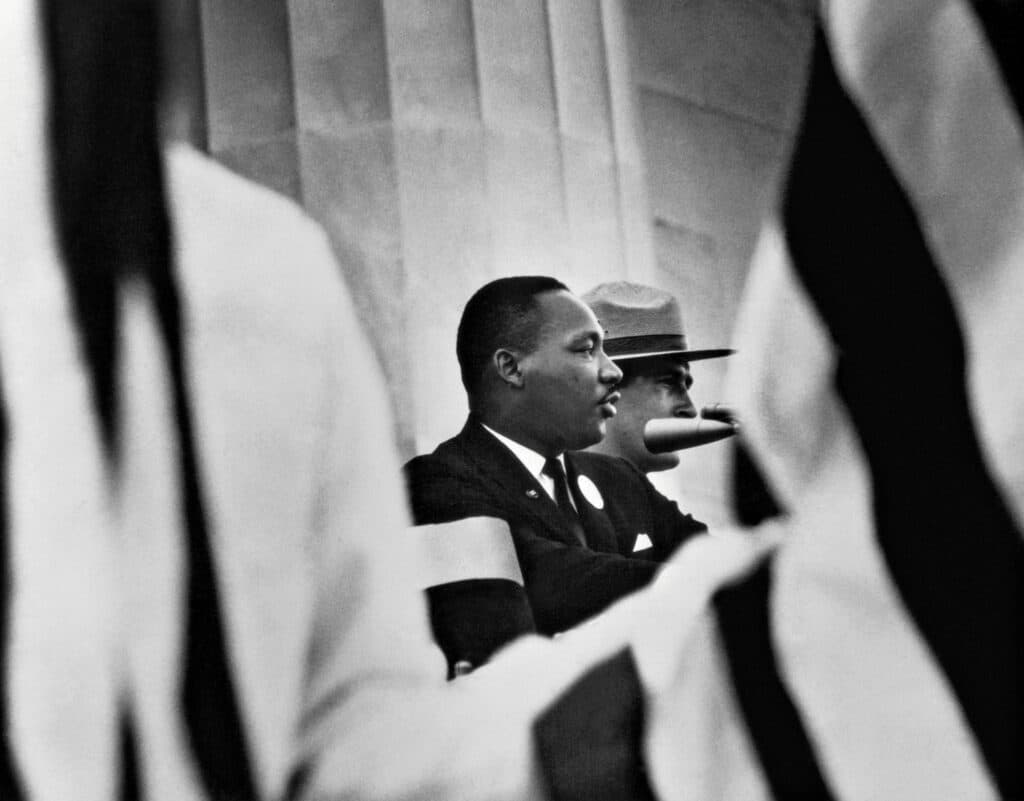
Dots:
pixel 685 408
pixel 609 372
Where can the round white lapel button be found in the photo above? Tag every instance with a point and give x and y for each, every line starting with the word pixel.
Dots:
pixel 590 491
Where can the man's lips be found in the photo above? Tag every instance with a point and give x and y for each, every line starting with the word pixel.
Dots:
pixel 607 403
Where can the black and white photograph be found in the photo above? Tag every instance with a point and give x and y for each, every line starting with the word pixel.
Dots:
pixel 512 400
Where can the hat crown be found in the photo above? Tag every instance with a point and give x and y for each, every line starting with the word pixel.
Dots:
pixel 640 321
pixel 626 309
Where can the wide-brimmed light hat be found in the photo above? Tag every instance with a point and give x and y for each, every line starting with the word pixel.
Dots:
pixel 641 321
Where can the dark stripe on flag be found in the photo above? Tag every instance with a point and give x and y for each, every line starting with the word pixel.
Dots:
pixel 211 705
pixel 948 539
pixel 1003 23
pixel 102 90
pixel 209 695
pixel 130 789
pixel 10 784
pixel 752 499
pixel 784 750
pixel 108 182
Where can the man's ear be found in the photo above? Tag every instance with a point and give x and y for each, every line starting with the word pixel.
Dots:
pixel 509 367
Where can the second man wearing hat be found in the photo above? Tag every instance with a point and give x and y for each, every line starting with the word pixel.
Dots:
pixel 644 337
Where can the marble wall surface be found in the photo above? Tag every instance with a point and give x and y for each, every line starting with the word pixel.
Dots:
pixel 441 143
pixel 446 142
pixel 719 85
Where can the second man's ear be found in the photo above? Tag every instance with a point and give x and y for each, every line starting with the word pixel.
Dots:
pixel 507 363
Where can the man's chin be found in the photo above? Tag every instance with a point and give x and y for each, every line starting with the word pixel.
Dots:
pixel 589 438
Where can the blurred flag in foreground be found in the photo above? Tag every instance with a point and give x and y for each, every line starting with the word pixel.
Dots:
pixel 880 377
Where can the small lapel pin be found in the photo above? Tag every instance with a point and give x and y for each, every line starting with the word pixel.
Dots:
pixel 531 493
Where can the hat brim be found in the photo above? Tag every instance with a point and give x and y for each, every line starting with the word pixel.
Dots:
pixel 688 355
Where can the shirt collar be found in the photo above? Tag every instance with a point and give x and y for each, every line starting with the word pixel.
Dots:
pixel 530 459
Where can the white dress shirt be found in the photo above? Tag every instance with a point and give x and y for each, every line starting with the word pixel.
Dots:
pixel 534 463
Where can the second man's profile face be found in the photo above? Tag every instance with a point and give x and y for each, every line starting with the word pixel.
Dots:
pixel 660 388
pixel 570 383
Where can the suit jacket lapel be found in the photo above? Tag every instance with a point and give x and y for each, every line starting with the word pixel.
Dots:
pixel 500 468
pixel 600 531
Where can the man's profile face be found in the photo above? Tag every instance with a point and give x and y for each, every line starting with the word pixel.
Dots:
pixel 660 388
pixel 568 381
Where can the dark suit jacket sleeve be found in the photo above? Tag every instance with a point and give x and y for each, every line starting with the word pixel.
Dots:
pixel 565 584
pixel 635 505
pixel 473 618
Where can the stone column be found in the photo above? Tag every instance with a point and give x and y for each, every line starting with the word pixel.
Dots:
pixel 249 92
pixel 184 78
pixel 516 151
pixel 442 143
pixel 346 146
pixel 719 85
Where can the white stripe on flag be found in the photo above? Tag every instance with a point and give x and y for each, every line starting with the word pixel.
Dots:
pixel 878 709
pixel 699 745
pixel 870 682
pixel 931 90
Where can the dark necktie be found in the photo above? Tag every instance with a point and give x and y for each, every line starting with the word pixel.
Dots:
pixel 553 469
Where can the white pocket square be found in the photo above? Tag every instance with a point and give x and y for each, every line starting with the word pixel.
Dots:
pixel 643 542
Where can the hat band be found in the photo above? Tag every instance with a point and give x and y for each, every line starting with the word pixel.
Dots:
pixel 648 343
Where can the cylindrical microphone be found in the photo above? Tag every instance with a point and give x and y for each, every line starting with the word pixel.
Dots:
pixel 719 411
pixel 666 434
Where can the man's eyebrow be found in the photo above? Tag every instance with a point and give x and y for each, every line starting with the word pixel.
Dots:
pixel 592 337
pixel 676 374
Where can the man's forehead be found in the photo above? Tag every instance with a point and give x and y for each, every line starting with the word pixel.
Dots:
pixel 565 315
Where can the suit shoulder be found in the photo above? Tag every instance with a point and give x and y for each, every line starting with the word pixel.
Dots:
pixel 445 458
pixel 444 486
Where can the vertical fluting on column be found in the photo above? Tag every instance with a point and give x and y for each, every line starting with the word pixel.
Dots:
pixel 184 73
pixel 526 203
pixel 249 93
pixel 516 151
pixel 634 210
pixel 346 144
pixel 441 165
pixel 441 143
pixel 589 171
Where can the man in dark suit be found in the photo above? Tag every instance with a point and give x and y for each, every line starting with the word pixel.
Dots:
pixel 587 528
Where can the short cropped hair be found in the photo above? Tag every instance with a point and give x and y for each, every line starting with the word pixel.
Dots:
pixel 501 314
